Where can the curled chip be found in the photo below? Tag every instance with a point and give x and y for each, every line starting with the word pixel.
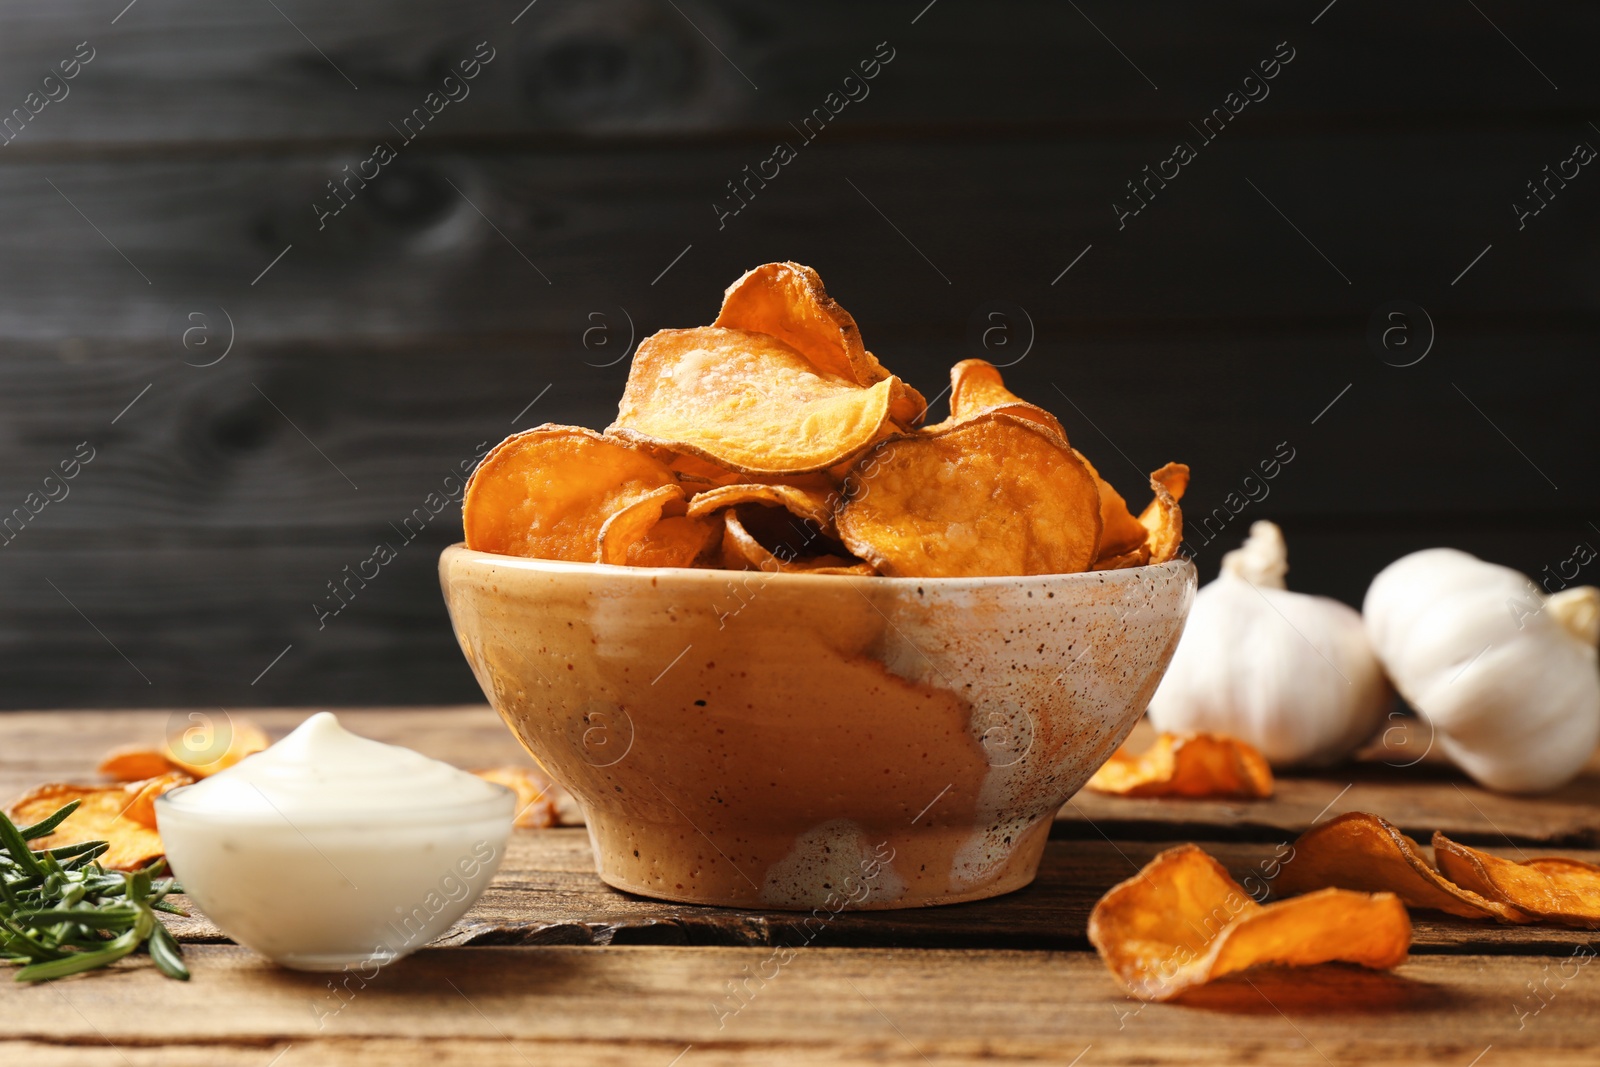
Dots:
pixel 991 495
pixel 628 525
pixel 675 541
pixel 1122 536
pixel 747 401
pixel 1359 850
pixel 548 491
pixel 204 750
pixel 976 387
pixel 101 816
pixel 742 550
pixel 1162 519
pixel 142 796
pixel 787 301
pixel 1196 765
pixel 813 506
pixel 1553 889
pixel 541 803
pixel 1182 921
pixel 132 763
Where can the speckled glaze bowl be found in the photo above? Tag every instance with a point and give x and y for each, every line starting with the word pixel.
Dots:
pixel 815 741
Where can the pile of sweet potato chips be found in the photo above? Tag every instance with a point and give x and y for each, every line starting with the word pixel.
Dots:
pixel 1190 765
pixel 1182 920
pixel 1359 850
pixel 774 440
pixel 123 813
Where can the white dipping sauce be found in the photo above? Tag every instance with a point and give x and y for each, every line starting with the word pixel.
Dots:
pixel 330 851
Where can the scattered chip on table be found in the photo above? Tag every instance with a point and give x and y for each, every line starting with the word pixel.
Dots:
pixel 1192 765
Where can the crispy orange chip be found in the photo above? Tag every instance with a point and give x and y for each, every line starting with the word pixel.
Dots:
pixel 1182 921
pixel 976 386
pixel 1162 518
pixel 142 805
pixel 749 402
pixel 994 494
pixel 675 541
pixel 812 505
pixel 1122 536
pixel 742 550
pixel 631 523
pixel 539 800
pixel 548 491
pixel 1359 850
pixel 132 763
pixel 203 750
pixel 1197 765
pixel 787 301
pixel 1554 889
pixel 102 815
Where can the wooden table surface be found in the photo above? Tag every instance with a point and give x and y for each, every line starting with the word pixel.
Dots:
pixel 554 967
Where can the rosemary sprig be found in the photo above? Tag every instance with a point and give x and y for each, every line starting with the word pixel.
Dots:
pixel 62 913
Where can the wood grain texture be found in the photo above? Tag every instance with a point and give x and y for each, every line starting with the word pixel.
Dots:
pixel 546 893
pixel 552 966
pixel 647 1005
pixel 417 253
pixel 189 73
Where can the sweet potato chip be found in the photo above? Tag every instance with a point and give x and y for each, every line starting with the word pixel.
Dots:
pixel 1197 765
pixel 142 803
pixel 675 541
pixel 787 301
pixel 628 525
pixel 547 492
pixel 1139 557
pixel 1121 535
pixel 747 401
pixel 101 816
pixel 1162 518
pixel 204 750
pixel 132 763
pixel 1359 850
pixel 539 800
pixel 976 386
pixel 1182 921
pixel 742 550
pixel 991 495
pixel 811 505
pixel 1554 889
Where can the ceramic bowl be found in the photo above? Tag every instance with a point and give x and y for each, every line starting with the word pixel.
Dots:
pixel 798 741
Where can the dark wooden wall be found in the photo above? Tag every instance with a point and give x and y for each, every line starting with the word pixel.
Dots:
pixel 372 359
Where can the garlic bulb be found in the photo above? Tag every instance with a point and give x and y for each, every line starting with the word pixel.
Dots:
pixel 1504 674
pixel 1289 673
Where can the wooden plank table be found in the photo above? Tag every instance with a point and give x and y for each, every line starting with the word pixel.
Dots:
pixel 554 967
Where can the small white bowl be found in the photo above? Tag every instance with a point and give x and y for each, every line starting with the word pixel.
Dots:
pixel 335 890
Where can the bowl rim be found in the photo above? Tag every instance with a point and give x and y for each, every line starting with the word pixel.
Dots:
pixel 459 552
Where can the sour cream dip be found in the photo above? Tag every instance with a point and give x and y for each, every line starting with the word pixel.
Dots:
pixel 330 851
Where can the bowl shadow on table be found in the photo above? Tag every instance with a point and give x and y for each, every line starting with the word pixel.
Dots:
pixel 1327 989
pixel 428 972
